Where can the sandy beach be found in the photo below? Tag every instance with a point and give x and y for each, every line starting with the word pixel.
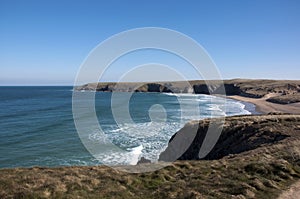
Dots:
pixel 264 106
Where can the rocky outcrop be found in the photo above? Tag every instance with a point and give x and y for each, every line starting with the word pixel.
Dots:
pixel 239 134
pixel 285 98
pixel 154 87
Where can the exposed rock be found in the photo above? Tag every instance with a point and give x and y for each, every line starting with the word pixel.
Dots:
pixel 285 98
pixel 240 134
pixel 143 161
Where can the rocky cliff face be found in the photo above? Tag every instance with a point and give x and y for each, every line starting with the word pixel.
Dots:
pixel 289 91
pixel 240 134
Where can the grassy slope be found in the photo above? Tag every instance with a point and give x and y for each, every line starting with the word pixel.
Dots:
pixel 262 172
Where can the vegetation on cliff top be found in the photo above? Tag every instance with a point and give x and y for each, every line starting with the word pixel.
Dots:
pixel 260 172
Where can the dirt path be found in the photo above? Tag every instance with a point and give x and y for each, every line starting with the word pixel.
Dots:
pixel 292 193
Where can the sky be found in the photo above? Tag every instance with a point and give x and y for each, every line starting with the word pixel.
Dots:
pixel 45 42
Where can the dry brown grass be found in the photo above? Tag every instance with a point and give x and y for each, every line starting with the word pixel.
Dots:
pixel 262 172
pixel 258 176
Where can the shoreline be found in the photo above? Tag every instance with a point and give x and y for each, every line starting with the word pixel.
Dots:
pixel 250 107
pixel 282 95
pixel 263 107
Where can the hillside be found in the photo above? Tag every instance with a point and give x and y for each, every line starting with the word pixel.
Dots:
pixel 255 157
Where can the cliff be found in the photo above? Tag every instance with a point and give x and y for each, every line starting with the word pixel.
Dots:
pixel 288 90
pixel 239 134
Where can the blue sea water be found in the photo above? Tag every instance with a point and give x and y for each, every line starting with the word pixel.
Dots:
pixel 37 126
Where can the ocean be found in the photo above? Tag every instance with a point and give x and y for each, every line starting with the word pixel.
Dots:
pixel 37 126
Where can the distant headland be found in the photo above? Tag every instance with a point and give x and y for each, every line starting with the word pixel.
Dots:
pixel 267 95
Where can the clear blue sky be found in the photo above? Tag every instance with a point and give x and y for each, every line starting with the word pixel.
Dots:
pixel 44 42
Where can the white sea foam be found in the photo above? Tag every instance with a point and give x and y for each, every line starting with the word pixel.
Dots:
pixel 182 94
pixel 136 152
pixel 149 139
pixel 232 105
pixel 121 157
pixel 214 107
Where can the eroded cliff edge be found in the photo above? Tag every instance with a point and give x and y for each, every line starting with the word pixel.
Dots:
pixel 239 134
